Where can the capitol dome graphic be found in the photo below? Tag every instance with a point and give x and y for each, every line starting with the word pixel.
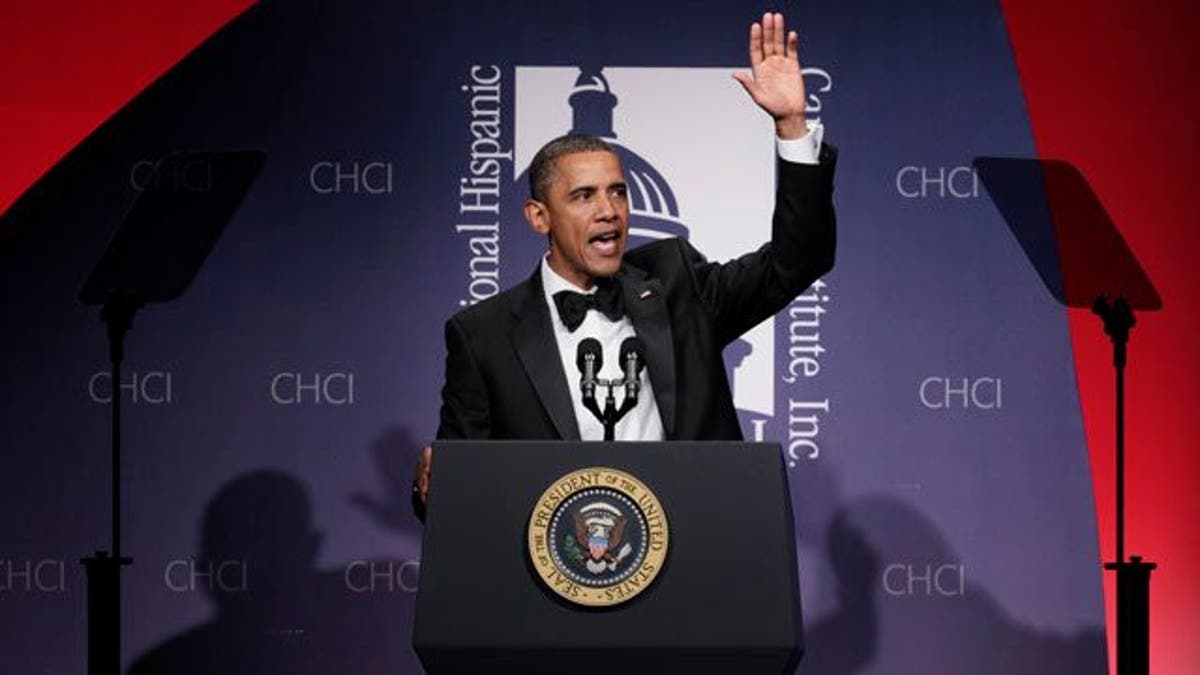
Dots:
pixel 653 209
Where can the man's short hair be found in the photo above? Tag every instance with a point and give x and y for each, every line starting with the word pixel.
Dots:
pixel 541 169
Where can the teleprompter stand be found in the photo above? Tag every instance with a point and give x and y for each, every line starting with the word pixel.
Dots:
pixel 160 246
pixel 1084 262
pixel 725 601
pixel 1133 575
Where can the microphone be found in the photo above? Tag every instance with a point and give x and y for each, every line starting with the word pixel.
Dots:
pixel 589 358
pixel 632 363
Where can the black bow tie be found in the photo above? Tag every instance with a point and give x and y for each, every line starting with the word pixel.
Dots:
pixel 573 307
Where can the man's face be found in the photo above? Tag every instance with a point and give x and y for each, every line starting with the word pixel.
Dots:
pixel 586 214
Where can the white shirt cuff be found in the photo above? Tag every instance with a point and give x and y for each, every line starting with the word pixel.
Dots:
pixel 803 150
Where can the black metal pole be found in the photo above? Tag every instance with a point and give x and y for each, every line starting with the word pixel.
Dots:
pixel 116 335
pixel 610 419
pixel 118 357
pixel 1120 368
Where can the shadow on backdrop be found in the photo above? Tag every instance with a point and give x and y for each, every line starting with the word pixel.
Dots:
pixel 285 616
pixel 906 607
pixel 394 452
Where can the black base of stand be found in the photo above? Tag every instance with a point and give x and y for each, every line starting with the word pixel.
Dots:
pixel 104 612
pixel 1133 615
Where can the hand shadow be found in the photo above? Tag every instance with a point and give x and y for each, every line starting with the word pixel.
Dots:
pixel 395 452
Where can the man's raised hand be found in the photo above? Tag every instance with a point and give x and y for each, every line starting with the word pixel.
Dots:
pixel 774 81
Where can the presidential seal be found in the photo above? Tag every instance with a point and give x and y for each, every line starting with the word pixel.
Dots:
pixel 598 537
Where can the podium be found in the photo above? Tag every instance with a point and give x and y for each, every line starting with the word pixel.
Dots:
pixel 725 598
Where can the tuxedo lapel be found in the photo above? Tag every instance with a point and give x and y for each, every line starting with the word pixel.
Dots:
pixel 646 307
pixel 533 337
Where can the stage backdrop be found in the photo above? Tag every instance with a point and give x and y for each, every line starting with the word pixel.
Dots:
pixel 923 392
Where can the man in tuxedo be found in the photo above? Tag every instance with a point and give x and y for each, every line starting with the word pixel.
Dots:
pixel 511 360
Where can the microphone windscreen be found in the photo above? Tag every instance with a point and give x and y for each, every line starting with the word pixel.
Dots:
pixel 632 345
pixel 589 346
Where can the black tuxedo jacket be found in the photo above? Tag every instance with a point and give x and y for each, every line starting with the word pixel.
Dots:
pixel 504 378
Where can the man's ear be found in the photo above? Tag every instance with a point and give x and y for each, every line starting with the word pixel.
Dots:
pixel 535 213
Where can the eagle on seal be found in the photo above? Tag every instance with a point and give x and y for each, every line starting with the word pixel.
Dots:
pixel 600 530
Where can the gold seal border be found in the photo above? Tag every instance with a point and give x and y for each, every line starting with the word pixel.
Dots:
pixel 657 536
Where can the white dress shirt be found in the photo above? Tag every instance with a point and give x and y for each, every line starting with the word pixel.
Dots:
pixel 643 422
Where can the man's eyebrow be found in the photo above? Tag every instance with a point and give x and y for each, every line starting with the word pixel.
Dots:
pixel 582 189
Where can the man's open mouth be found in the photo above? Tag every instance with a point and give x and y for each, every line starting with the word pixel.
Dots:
pixel 605 242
